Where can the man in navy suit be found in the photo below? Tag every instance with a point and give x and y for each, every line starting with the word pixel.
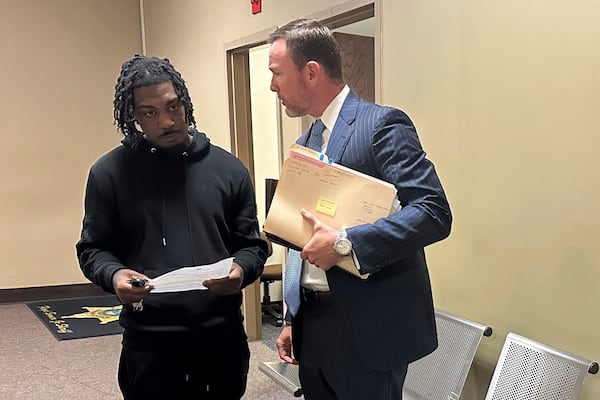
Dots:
pixel 354 338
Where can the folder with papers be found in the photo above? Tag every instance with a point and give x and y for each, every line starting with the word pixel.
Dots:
pixel 336 195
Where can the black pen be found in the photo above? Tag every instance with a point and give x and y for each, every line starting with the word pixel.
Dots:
pixel 138 282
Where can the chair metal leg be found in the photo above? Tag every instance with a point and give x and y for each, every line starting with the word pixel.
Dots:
pixel 267 306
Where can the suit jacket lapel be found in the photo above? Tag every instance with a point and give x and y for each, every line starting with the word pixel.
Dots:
pixel 342 130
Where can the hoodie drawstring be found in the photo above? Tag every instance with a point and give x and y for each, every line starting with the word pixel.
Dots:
pixel 187 205
pixel 163 228
pixel 185 155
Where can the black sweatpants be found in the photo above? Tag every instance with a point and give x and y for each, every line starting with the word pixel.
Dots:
pixel 211 368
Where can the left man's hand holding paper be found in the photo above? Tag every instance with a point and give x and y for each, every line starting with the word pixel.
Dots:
pixel 229 284
pixel 125 291
pixel 319 249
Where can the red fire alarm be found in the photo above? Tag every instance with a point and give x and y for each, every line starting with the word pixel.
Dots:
pixel 256 6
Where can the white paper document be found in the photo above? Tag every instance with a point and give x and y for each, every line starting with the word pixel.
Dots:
pixel 190 278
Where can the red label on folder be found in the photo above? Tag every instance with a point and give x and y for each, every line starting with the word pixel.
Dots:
pixel 308 159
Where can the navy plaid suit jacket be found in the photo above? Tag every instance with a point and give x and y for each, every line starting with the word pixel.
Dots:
pixel 390 316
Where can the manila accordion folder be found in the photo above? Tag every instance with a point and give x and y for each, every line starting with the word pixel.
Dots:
pixel 338 196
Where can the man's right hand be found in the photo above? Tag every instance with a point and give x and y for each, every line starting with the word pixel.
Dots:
pixel 124 290
pixel 284 345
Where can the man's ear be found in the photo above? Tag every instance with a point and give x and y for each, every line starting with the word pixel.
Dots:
pixel 313 69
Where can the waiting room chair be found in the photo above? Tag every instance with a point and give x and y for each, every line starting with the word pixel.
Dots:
pixel 286 375
pixel 441 375
pixel 529 370
pixel 271 274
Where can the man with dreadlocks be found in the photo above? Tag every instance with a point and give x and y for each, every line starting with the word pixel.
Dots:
pixel 167 198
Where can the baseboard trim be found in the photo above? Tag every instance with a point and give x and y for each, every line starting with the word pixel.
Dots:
pixel 24 295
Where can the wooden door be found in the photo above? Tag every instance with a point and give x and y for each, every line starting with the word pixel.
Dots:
pixel 358 63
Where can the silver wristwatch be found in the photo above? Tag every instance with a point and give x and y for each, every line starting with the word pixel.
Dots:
pixel 342 244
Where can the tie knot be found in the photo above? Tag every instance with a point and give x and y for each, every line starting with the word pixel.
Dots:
pixel 315 140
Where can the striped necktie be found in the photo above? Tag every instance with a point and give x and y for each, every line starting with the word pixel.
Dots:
pixel 293 266
pixel 315 140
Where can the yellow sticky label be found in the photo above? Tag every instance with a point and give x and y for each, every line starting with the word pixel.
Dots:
pixel 326 206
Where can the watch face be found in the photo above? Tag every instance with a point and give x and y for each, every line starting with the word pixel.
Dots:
pixel 343 247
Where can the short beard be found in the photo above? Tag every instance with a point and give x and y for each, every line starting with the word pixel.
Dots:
pixel 293 113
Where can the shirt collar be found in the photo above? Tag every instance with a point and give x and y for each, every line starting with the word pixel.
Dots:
pixel 332 111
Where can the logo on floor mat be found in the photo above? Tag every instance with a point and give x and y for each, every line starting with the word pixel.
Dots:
pixel 104 314
pixel 79 317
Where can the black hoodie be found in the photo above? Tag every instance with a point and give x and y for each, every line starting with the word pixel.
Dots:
pixel 154 211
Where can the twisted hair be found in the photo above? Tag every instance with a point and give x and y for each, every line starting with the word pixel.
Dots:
pixel 144 71
pixel 309 40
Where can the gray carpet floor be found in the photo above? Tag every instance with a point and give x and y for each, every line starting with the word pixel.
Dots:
pixel 35 366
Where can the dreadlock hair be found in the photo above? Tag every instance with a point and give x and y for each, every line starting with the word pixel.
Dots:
pixel 309 40
pixel 145 71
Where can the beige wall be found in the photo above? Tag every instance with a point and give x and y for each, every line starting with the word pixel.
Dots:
pixel 504 95
pixel 60 60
